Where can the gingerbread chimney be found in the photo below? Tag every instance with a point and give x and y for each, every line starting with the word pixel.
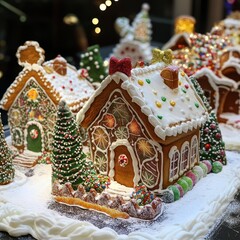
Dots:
pixel 60 65
pixel 170 76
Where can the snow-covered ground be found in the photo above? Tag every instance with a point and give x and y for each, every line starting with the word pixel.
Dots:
pixel 24 209
pixel 231 136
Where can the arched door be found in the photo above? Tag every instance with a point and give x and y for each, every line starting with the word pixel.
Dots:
pixel 34 138
pixel 124 172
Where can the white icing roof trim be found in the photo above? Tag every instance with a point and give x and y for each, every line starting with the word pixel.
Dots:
pixel 182 117
pixel 173 40
pixel 214 78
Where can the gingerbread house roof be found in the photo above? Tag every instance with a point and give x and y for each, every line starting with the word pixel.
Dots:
pixel 177 41
pixel 58 79
pixel 215 80
pixel 169 110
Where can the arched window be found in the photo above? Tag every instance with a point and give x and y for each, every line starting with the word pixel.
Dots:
pixel 174 157
pixel 185 152
pixel 194 150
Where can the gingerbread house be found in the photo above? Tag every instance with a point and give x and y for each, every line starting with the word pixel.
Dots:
pixel 229 27
pixel 32 98
pixel 215 62
pixel 143 124
pixel 135 38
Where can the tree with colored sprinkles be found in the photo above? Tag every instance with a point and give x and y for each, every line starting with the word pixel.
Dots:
pixel 69 161
pixel 212 146
pixel 6 157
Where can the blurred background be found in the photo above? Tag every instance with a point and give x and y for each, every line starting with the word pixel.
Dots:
pixel 67 27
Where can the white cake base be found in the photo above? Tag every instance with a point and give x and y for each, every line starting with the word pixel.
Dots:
pixel 23 209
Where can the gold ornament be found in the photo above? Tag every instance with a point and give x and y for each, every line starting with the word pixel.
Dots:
pixel 184 24
pixel 162 56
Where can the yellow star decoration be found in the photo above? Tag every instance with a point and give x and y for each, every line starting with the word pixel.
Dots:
pixel 162 56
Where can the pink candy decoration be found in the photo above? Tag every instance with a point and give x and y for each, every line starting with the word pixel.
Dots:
pixel 208 164
pixel 191 175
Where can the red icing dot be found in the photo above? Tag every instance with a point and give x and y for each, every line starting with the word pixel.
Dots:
pixel 53 77
pixel 63 87
pixel 122 52
pixel 71 89
pixel 70 81
pixel 127 48
pixel 186 86
pixel 133 49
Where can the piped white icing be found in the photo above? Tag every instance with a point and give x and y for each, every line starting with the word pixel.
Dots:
pixel 143 95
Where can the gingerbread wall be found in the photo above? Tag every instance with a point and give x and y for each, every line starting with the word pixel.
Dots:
pixel 32 117
pixel 121 147
pixel 186 148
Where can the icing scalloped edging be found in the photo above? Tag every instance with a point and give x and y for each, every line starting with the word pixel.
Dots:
pixel 129 84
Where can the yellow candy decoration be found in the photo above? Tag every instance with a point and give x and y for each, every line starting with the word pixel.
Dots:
pixel 140 82
pixel 161 56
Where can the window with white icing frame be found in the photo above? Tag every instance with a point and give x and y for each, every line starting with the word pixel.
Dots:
pixel 194 150
pixel 185 153
pixel 174 157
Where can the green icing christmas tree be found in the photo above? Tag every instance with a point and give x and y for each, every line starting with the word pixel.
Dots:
pixel 212 146
pixel 93 63
pixel 69 161
pixel 200 92
pixel 6 157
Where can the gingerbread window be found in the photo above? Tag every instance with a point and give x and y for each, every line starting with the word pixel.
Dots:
pixel 194 151
pixel 174 156
pixel 185 153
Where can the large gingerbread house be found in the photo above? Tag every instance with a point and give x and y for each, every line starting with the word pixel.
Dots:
pixel 143 124
pixel 215 62
pixel 32 99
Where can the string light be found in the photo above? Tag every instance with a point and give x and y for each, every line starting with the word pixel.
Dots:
pixel 108 3
pixel 97 30
pixel 102 7
pixel 95 21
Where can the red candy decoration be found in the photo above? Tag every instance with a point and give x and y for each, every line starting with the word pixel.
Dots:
pixel 124 65
pixel 207 146
pixel 84 73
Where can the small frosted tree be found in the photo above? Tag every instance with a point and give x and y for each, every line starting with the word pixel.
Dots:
pixel 69 161
pixel 212 146
pixel 6 157
pixel 93 62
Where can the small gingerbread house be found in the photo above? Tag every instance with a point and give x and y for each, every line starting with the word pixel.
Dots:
pixel 32 98
pixel 215 63
pixel 143 124
pixel 135 38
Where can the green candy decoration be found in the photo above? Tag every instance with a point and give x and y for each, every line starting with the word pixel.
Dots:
pixel 183 184
pixel 175 191
pixel 189 182
pixel 217 167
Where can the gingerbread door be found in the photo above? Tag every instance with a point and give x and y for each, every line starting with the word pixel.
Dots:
pixel 123 165
pixel 34 138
